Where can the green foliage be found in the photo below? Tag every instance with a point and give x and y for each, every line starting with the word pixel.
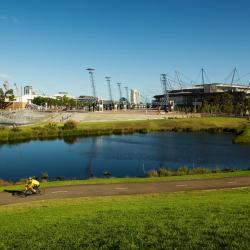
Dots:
pixel 45 175
pixel 183 170
pixel 15 129
pixel 152 173
pixel 164 172
pixel 200 170
pixel 70 125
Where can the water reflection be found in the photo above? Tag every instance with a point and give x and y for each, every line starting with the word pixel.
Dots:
pixel 120 155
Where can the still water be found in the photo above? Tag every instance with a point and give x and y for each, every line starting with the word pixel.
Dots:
pixel 121 155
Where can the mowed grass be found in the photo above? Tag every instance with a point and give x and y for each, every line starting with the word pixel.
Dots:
pixel 46 131
pixel 191 220
pixel 244 137
pixel 235 173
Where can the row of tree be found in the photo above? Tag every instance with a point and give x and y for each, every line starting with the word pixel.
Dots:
pixel 58 103
pixel 228 103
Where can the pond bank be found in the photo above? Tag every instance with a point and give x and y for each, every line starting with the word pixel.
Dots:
pixel 239 126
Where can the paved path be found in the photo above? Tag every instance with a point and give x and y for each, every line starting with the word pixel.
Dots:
pixel 129 189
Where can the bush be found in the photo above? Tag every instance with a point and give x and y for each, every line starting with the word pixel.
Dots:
pixel 70 125
pixel 226 170
pixel 152 173
pixel 200 170
pixel 45 175
pixel 164 172
pixel 51 125
pixel 216 170
pixel 182 170
pixel 4 183
pixel 16 129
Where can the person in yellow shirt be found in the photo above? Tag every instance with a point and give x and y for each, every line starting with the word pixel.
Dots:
pixel 32 185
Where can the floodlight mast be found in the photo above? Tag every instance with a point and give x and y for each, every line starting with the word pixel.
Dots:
pixel 126 89
pixel 91 73
pixel 120 90
pixel 109 88
pixel 165 90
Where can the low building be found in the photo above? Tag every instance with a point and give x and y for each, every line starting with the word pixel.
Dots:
pixel 196 95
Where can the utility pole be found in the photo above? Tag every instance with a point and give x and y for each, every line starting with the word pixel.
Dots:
pixel 109 88
pixel 165 90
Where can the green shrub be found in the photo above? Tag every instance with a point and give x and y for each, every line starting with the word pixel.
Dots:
pixel 16 129
pixel 226 170
pixel 216 170
pixel 51 125
pixel 4 183
pixel 183 170
pixel 45 175
pixel 164 172
pixel 200 170
pixel 70 125
pixel 152 173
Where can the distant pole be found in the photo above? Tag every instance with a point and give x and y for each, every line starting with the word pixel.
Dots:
pixel 202 76
pixel 165 90
pixel 126 89
pixel 91 73
pixel 120 90
pixel 109 88
pixel 232 81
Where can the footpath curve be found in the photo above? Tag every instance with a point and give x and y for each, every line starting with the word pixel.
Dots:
pixel 129 189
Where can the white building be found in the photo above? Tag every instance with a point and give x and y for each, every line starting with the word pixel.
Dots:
pixel 135 97
pixel 27 96
pixel 28 90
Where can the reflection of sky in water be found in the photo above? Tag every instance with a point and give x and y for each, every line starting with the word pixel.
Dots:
pixel 121 155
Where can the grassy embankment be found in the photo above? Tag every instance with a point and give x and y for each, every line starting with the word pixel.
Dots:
pixel 51 131
pixel 190 220
pixel 236 173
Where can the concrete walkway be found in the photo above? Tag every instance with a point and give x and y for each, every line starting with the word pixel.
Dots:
pixel 129 189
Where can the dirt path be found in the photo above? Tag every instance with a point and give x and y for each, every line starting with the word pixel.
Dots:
pixel 129 189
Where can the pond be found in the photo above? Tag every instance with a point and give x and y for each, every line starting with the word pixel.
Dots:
pixel 121 155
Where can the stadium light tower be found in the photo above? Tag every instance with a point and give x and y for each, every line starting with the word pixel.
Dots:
pixel 126 89
pixel 109 88
pixel 165 90
pixel 91 73
pixel 120 90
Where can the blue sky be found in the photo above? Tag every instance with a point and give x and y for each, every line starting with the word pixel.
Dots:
pixel 48 44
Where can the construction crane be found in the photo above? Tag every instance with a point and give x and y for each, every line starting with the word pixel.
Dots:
pixel 109 88
pixel 91 73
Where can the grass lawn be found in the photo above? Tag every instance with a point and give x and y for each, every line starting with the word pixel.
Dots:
pixel 189 220
pixel 244 137
pixel 48 131
pixel 236 173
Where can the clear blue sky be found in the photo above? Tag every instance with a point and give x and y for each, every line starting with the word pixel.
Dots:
pixel 49 43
